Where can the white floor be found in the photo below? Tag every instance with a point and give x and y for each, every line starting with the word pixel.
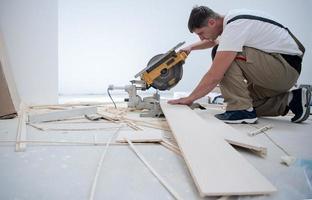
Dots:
pixel 67 171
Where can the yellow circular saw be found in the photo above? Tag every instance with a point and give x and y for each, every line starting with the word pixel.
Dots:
pixel 164 71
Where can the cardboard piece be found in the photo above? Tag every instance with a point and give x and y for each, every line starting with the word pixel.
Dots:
pixel 9 98
pixel 7 108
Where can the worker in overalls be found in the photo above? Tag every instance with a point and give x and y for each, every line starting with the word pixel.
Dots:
pixel 256 61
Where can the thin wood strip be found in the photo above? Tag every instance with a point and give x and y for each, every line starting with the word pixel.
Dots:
pixel 130 123
pixel 170 144
pixel 170 148
pixel 21 129
pixel 99 166
pixel 71 129
pixel 153 171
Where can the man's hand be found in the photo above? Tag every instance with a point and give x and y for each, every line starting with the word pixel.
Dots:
pixel 183 101
pixel 187 50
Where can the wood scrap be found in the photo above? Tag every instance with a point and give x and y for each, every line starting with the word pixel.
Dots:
pixel 260 130
pixel 161 125
pixel 119 115
pixel 153 171
pixel 133 125
pixel 120 119
pixel 61 115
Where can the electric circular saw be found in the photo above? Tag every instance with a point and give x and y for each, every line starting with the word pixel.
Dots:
pixel 164 71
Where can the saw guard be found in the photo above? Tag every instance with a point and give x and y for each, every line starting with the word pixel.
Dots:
pixel 175 61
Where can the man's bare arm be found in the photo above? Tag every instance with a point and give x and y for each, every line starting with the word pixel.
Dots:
pixel 203 44
pixel 209 81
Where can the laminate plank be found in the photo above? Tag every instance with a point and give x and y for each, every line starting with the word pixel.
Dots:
pixel 216 167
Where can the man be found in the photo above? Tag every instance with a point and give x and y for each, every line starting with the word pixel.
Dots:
pixel 256 62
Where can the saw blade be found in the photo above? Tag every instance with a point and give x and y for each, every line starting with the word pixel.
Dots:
pixel 168 77
pixel 159 58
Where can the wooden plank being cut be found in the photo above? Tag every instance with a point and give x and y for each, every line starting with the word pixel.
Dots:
pixel 61 115
pixel 232 135
pixel 216 167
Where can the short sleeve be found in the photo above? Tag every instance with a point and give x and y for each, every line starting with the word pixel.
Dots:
pixel 234 36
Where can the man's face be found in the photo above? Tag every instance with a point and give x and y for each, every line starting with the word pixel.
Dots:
pixel 208 32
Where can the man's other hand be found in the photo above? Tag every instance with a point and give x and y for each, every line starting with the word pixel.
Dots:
pixel 183 101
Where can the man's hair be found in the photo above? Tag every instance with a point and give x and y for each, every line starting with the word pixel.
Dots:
pixel 200 16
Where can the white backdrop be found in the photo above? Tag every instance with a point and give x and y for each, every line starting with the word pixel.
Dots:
pixel 108 42
pixel 30 33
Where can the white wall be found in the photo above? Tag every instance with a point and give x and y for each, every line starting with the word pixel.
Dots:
pixel 30 31
pixel 108 42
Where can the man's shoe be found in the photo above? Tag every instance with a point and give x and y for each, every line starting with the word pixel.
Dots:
pixel 238 117
pixel 299 104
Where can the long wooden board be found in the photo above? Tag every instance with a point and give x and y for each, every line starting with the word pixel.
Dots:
pixel 216 167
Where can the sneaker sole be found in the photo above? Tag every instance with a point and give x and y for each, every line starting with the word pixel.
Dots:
pixel 241 121
pixel 306 97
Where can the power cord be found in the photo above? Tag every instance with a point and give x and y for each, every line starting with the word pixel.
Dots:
pixel 108 92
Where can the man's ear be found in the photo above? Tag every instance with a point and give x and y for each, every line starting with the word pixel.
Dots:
pixel 212 22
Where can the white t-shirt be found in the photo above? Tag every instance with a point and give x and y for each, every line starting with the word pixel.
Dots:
pixel 257 34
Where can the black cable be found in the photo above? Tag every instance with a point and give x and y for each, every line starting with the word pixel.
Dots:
pixel 111 97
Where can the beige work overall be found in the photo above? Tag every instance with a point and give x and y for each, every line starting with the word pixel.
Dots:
pixel 261 81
